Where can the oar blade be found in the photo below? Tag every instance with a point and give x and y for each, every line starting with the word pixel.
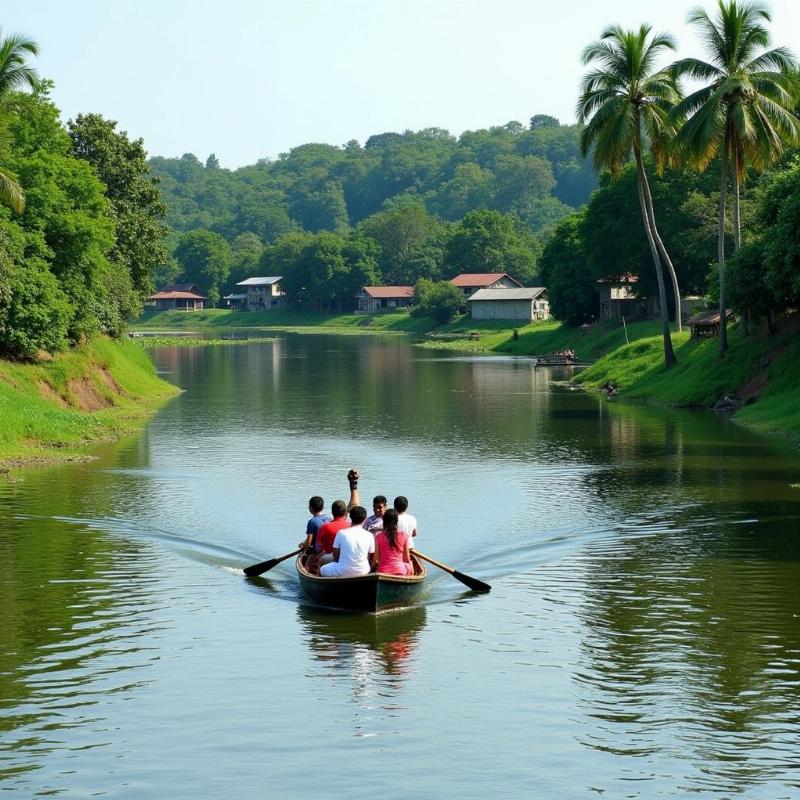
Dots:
pixel 473 583
pixel 258 569
pixel 266 566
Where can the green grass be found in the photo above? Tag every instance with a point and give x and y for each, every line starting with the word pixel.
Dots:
pixel 700 378
pixel 40 416
pixel 295 321
pixel 778 408
pixel 188 341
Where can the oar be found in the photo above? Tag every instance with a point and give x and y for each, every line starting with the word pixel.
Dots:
pixel 473 583
pixel 266 566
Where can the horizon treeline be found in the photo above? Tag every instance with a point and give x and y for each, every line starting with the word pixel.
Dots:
pixel 418 197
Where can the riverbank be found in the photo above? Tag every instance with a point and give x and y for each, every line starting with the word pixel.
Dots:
pixel 52 410
pixel 762 372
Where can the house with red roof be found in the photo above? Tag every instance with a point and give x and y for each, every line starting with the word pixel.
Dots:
pixel 178 297
pixel 384 298
pixel 470 282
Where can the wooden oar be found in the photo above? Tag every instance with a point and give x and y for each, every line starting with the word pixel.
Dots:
pixel 266 566
pixel 473 583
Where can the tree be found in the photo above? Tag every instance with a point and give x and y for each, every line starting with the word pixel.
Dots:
pixel 205 259
pixel 470 188
pixel 624 100
pixel 488 241
pixel 779 214
pixel 439 300
pixel 523 183
pixel 121 164
pixel 566 272
pixel 15 75
pixel 212 162
pixel 743 114
pixel 540 121
pixel 325 270
pixel 411 243
pixel 246 250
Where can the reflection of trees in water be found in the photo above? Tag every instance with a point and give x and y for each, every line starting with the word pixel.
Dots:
pixel 377 387
pixel 691 648
pixel 374 653
pixel 67 629
pixel 691 639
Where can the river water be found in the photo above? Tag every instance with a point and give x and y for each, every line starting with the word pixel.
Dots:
pixel 642 638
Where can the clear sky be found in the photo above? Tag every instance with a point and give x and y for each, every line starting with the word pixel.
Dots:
pixel 248 79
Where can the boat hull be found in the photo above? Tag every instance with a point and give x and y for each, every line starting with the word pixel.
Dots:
pixel 373 592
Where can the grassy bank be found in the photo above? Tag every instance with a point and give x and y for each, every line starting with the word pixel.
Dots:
pixel 762 372
pixel 295 321
pixel 50 411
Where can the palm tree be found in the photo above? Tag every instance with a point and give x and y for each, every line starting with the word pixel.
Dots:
pixel 743 114
pixel 625 101
pixel 15 75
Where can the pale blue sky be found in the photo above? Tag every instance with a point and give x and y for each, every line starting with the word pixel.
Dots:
pixel 248 79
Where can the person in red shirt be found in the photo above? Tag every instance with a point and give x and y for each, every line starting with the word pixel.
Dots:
pixel 327 533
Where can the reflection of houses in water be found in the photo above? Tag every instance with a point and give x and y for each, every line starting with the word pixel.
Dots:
pixel 369 650
pixel 493 380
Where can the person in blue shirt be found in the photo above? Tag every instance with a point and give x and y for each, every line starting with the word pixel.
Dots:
pixel 316 507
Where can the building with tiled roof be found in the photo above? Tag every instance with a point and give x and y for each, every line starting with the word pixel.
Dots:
pixel 470 282
pixel 383 298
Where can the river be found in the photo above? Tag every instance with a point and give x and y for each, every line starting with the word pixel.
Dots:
pixel 641 640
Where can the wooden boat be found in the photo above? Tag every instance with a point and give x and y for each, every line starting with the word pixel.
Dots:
pixel 558 360
pixel 376 591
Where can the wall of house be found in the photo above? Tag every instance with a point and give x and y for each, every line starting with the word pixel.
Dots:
pixel 502 309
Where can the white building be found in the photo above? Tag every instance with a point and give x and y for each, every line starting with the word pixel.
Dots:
pixel 263 294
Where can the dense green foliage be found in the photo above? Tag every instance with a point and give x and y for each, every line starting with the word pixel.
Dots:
pixel 77 260
pixel 132 192
pixel 537 173
pixel 439 300
pixel 205 259
pixel 432 204
pixel 323 271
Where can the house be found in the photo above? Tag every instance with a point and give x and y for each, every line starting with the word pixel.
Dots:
pixel 470 282
pixel 525 305
pixel 618 299
pixel 263 294
pixel 236 302
pixel 383 298
pixel 706 324
pixel 177 297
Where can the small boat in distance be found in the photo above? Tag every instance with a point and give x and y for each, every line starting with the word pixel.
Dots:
pixel 563 358
pixel 376 591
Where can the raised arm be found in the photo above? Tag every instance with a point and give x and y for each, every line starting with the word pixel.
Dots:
pixel 355 499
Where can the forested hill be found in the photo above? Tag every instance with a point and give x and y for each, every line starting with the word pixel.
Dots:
pixel 536 173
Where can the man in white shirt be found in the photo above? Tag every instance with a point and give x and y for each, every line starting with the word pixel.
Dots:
pixel 351 549
pixel 405 522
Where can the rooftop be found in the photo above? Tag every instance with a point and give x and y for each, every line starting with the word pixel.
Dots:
pixel 507 294
pixel 259 281
pixel 165 295
pixel 384 292
pixel 466 279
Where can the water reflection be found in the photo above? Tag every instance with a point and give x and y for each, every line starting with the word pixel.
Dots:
pixel 641 638
pixel 371 651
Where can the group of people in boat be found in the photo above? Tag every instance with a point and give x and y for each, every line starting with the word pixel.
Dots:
pixel 569 355
pixel 349 542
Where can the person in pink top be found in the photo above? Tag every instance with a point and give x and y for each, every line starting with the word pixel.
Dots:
pixel 391 548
